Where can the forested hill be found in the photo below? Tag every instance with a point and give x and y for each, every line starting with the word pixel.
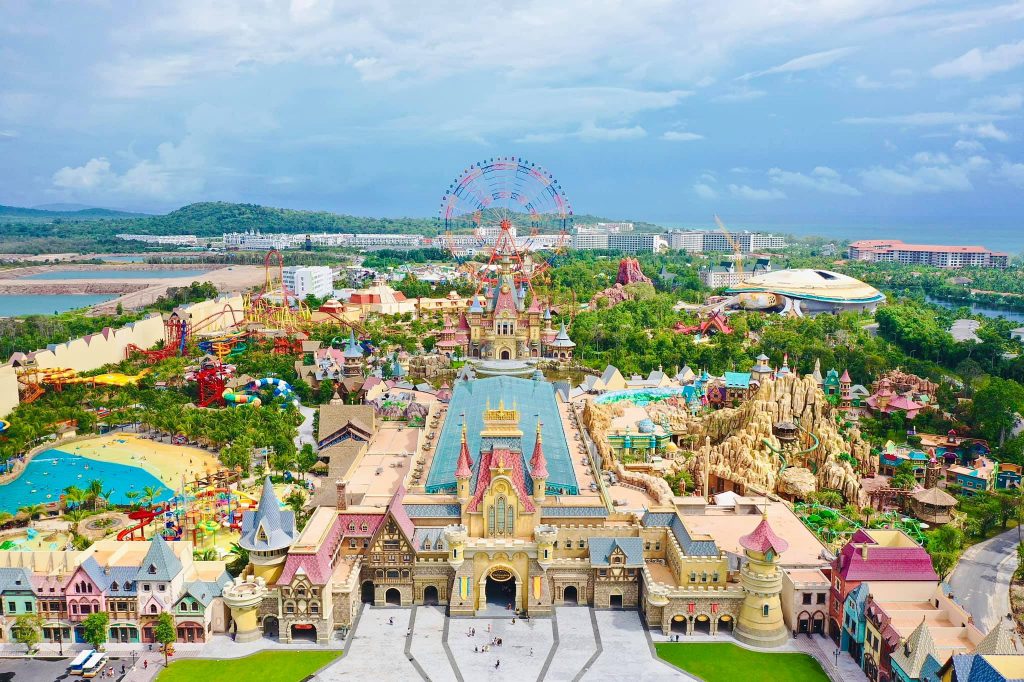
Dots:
pixel 209 219
pixel 16 213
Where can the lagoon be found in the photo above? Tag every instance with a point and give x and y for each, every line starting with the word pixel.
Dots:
pixel 108 273
pixel 1012 315
pixel 13 305
pixel 44 479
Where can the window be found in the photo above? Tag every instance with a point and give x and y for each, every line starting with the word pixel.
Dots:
pixel 647 546
pixel 602 572
pixel 819 598
pixel 807 597
pixel 145 587
pixel 152 569
pixel 152 608
pixel 163 588
pixel 366 543
pixel 764 610
pixel 195 606
pixel 657 546
pixel 314 607
pixel 351 525
pixel 693 576
pixel 714 577
pixel 351 543
pixel 582 543
pixel 289 608
pixel 12 606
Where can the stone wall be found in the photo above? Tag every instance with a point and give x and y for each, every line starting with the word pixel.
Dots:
pixel 603 591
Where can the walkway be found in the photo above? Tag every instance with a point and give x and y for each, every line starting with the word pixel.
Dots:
pixel 981 580
pixel 626 654
pixel 577 642
pixel 376 649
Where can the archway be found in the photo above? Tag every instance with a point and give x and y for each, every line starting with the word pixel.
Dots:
pixel 505 355
pixel 500 589
pixel 678 625
pixel 367 592
pixel 393 597
pixel 615 601
pixel 570 596
pixel 303 632
pixel 271 627
pixel 430 596
pixel 818 623
pixel 702 625
pixel 726 623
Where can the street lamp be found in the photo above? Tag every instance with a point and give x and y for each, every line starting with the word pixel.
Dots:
pixel 836 652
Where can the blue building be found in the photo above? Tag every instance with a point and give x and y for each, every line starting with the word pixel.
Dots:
pixel 854 623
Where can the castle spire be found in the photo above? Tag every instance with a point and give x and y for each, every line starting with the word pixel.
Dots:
pixel 464 468
pixel 538 463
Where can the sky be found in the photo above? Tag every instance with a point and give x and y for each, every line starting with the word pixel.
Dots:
pixel 830 113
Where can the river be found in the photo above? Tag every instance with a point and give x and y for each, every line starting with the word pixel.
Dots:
pixel 1013 315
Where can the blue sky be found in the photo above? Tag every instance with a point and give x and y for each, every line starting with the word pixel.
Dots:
pixel 835 112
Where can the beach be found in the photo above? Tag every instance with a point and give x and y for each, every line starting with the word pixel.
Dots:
pixel 169 463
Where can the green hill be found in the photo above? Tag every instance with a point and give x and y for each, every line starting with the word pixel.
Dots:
pixel 18 214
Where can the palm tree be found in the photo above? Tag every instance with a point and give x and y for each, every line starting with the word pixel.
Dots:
pixel 5 517
pixel 132 495
pixel 74 496
pixel 32 511
pixel 149 494
pixel 94 490
pixel 868 512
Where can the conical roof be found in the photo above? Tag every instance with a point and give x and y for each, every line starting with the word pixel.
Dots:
pixel 538 463
pixel 1000 641
pixel 269 527
pixel 160 562
pixel 764 538
pixel 353 349
pixel 913 654
pixel 464 468
pixel 562 339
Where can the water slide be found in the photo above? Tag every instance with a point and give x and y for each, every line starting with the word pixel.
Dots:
pixel 4 425
pixel 281 388
pixel 144 517
pixel 240 398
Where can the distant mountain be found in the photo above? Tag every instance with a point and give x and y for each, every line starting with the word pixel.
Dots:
pixel 64 208
pixel 12 212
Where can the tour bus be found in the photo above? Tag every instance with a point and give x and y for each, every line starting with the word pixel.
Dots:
pixel 94 666
pixel 76 665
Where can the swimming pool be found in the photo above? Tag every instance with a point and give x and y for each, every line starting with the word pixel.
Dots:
pixel 50 472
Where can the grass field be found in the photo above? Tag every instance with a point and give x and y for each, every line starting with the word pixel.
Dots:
pixel 730 663
pixel 266 666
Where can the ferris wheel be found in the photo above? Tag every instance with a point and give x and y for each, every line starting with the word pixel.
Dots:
pixel 506 207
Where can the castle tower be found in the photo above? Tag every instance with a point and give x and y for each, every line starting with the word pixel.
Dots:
pixel 761 371
pixel 845 386
pixel 244 597
pixel 267 534
pixel 816 375
pixel 456 536
pixel 933 472
pixel 539 468
pixel 545 536
pixel 760 621
pixel 353 357
pixel 464 469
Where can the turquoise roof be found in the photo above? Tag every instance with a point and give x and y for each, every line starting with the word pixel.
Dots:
pixel 737 379
pixel 533 399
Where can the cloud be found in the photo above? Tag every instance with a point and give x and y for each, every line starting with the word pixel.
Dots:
pixel 1011 101
pixel 741 94
pixel 591 131
pixel 931 118
pixel 987 131
pixel 899 79
pixel 756 194
pixel 821 179
pixel 8 134
pixel 176 172
pixel 679 136
pixel 931 174
pixel 808 62
pixel 705 191
pixel 978 64
pixel 1012 173
pixel 968 146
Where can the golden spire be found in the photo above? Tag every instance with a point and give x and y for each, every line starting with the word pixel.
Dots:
pixel 539 424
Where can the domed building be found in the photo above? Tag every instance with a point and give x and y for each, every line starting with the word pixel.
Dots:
pixel 806 292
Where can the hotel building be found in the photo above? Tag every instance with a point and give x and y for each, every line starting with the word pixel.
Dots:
pixel 936 255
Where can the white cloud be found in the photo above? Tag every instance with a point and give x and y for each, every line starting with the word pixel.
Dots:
pixel 705 191
pixel 1013 173
pixel 756 194
pixel 986 131
pixel 742 94
pixel 176 172
pixel 8 134
pixel 679 136
pixel 899 79
pixel 918 180
pixel 928 118
pixel 968 146
pixel 925 158
pixel 977 64
pixel 1011 101
pixel 821 179
pixel 808 62
pixel 591 131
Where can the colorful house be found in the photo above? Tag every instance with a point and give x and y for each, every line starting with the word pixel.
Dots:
pixel 980 476
pixel 854 623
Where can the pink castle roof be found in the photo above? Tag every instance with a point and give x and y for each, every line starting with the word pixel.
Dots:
pixel 763 538
pixel 464 468
pixel 883 563
pixel 399 514
pixel 513 461
pixel 538 463
pixel 845 379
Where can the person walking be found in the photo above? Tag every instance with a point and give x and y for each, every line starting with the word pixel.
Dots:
pixel 497 664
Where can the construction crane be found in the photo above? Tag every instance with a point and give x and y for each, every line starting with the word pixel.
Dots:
pixel 736 249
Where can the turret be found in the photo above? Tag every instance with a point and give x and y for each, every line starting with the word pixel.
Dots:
pixel 456 536
pixel 545 536
pixel 539 467
pixel 760 621
pixel 267 534
pixel 464 469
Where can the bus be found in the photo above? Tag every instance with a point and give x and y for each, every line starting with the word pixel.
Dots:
pixel 76 665
pixel 94 666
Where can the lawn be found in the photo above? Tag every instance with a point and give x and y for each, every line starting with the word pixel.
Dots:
pixel 266 666
pixel 730 663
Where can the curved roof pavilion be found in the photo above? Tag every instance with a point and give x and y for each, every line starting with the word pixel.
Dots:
pixel 814 285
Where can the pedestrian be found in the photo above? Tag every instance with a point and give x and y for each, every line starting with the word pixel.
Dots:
pixel 145 663
pixel 513 620
pixel 391 621
pixel 476 649
pixel 531 651
pixel 488 627
pixel 497 664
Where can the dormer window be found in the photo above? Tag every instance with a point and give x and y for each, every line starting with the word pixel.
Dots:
pixel 352 525
pixel 365 527
pixel 152 569
pixel 261 535
pixel 113 586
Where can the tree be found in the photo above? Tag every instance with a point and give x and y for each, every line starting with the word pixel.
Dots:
pixel 904 478
pixel 1008 504
pixel 829 498
pixel 94 491
pixel 95 628
pixel 28 629
pixel 164 632
pixel 149 494
pixel 32 511
pixel 306 459
pixel 943 563
pixel 994 407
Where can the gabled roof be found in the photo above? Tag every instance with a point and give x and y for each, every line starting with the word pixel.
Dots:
pixel 513 461
pixel 601 550
pixel 397 511
pixel 123 577
pixel 880 562
pixel 160 557
pixel 429 539
pixel 16 579
pixel 269 527
pixel 202 591
pixel 912 655
pixel 737 379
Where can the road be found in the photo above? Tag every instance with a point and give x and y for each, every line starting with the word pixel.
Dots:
pixel 981 580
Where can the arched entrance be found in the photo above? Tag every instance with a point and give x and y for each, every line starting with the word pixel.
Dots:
pixel 189 632
pixel 430 596
pixel 570 596
pixel 303 632
pixel 505 355
pixel 678 625
pixel 366 592
pixel 271 627
pixel 726 624
pixel 393 597
pixel 500 589
pixel 702 625
pixel 615 601
pixel 818 623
